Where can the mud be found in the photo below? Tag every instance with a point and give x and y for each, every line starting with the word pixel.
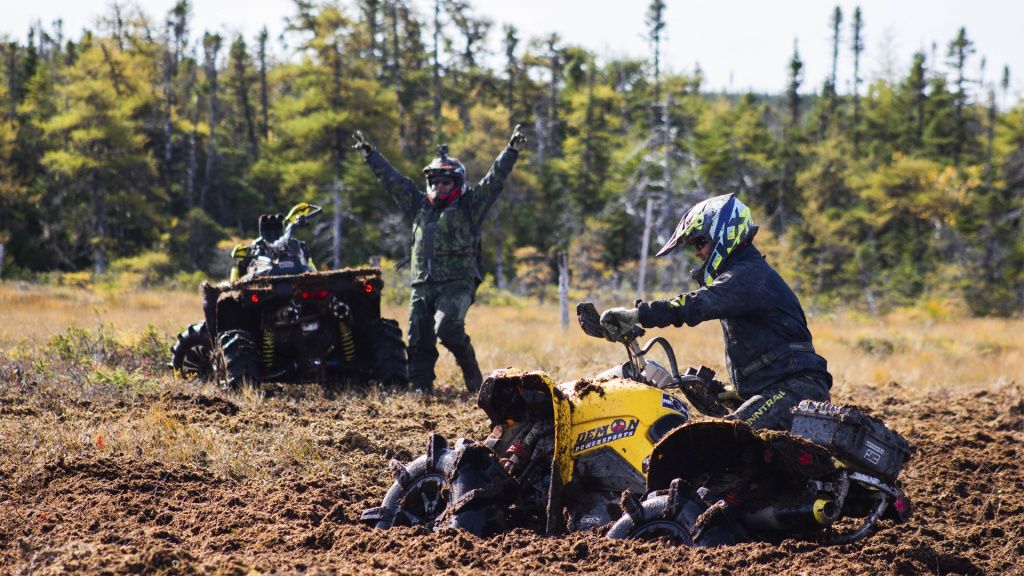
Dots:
pixel 117 511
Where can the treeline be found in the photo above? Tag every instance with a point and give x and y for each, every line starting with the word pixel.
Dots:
pixel 147 137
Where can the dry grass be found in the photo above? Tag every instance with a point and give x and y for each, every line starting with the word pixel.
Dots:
pixel 103 386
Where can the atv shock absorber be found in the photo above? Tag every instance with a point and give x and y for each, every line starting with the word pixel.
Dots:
pixel 348 343
pixel 268 349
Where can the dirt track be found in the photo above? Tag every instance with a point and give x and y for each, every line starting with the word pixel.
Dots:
pixel 106 511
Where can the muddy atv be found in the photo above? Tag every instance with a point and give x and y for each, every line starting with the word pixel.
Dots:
pixel 572 457
pixel 282 321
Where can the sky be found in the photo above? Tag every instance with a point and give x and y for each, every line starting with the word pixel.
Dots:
pixel 739 45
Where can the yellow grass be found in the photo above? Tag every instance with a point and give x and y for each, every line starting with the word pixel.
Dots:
pixel 914 351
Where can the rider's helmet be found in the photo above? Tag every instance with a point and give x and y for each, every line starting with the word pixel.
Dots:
pixel 722 221
pixel 445 167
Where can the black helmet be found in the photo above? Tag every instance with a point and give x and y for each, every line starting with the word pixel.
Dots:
pixel 443 166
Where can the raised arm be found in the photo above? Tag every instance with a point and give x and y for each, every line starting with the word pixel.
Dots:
pixel 491 185
pixel 405 192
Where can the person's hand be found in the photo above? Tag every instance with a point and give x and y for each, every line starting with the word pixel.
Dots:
pixel 362 144
pixel 618 322
pixel 518 140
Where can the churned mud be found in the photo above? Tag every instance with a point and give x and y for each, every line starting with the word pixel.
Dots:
pixel 105 509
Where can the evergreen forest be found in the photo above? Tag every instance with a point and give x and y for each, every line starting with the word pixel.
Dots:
pixel 148 143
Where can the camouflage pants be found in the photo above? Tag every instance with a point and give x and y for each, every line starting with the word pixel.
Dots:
pixel 770 408
pixel 437 311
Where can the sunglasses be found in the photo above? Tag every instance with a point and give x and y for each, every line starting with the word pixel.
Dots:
pixel 441 182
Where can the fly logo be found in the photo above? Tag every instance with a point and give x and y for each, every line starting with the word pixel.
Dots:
pixel 873 452
pixel 617 430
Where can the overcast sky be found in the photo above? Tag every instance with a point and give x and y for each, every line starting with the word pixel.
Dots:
pixel 739 45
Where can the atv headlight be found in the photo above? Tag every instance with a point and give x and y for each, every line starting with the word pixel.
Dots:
pixel 311 326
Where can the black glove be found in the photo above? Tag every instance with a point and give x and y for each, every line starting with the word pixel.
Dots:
pixel 362 144
pixel 618 322
pixel 518 140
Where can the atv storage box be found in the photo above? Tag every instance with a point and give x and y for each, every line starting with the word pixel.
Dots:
pixel 860 441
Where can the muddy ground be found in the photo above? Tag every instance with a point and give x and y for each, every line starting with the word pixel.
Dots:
pixel 104 509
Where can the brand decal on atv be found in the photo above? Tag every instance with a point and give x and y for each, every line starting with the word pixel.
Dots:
pixel 617 430
pixel 672 403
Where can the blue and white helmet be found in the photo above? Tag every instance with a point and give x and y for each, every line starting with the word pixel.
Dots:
pixel 722 221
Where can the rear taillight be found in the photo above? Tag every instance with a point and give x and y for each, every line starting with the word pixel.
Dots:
pixel 317 295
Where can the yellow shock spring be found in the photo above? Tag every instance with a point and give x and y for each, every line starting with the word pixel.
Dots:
pixel 268 348
pixel 348 343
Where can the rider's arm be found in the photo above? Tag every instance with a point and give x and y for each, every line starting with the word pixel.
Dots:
pixel 731 294
pixel 490 186
pixel 405 192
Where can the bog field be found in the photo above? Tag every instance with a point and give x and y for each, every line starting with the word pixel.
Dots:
pixel 108 465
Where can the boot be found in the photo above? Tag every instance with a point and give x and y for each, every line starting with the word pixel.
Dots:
pixel 466 359
pixel 421 369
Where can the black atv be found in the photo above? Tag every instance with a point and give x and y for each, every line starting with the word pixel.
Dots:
pixel 282 321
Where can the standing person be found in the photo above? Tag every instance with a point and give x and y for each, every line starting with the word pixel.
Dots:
pixel 446 223
pixel 768 348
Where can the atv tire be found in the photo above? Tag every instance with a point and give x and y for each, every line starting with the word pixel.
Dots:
pixel 390 363
pixel 421 491
pixel 241 361
pixel 667 514
pixel 192 354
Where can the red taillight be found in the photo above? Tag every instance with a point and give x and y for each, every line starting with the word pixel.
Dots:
pixel 368 288
pixel 255 298
pixel 323 294
pixel 806 459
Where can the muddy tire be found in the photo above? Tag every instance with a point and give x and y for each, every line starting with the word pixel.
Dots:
pixel 390 363
pixel 241 361
pixel 192 354
pixel 670 516
pixel 420 494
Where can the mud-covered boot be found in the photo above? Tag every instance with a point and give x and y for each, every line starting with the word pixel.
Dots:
pixel 466 359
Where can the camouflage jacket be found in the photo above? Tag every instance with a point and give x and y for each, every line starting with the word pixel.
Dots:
pixel 766 335
pixel 445 239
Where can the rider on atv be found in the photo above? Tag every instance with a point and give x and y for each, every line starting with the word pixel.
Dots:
pixel 275 252
pixel 768 347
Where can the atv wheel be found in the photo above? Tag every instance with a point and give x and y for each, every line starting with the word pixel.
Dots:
pixel 241 361
pixel 390 363
pixel 420 493
pixel 665 514
pixel 191 355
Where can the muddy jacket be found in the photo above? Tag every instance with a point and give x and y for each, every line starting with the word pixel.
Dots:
pixel 766 335
pixel 445 238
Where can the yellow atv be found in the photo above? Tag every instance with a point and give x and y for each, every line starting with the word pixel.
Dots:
pixel 559 455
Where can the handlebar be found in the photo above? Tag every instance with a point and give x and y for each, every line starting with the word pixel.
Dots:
pixel 701 391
